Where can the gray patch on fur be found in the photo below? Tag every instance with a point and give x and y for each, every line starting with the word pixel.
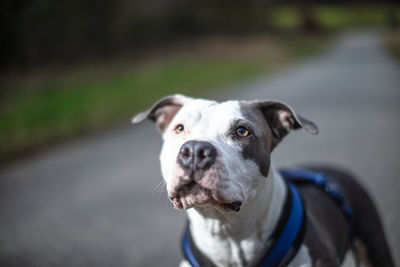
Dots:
pixel 257 146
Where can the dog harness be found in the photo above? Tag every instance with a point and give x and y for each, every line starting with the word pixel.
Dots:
pixel 288 235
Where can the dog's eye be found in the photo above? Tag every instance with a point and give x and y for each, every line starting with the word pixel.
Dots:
pixel 179 128
pixel 242 131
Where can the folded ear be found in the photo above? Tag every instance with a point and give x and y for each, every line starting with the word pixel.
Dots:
pixel 282 119
pixel 163 111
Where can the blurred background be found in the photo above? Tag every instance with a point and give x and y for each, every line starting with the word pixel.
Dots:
pixel 80 186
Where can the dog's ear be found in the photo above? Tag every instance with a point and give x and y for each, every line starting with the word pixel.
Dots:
pixel 163 111
pixel 282 119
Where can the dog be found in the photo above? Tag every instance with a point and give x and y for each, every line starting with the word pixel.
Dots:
pixel 217 165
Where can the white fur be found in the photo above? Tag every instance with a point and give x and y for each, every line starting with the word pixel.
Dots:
pixel 349 260
pixel 198 117
pixel 227 238
pixel 239 239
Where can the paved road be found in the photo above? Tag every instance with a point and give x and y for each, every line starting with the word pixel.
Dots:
pixel 98 201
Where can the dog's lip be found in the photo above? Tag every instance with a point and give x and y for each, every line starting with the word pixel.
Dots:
pixel 176 202
pixel 179 199
pixel 232 206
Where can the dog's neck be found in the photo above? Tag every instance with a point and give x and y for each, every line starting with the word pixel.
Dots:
pixel 238 239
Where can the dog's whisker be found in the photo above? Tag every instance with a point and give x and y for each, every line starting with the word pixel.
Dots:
pixel 160 187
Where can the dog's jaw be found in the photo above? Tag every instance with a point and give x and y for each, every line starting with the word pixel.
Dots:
pixel 221 187
pixel 213 231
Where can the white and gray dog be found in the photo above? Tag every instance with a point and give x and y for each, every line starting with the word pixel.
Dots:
pixel 216 162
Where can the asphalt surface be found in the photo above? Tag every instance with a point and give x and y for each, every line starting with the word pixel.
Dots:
pixel 98 201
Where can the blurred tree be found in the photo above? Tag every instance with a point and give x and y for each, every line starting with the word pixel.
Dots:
pixel 392 19
pixel 44 31
pixel 308 22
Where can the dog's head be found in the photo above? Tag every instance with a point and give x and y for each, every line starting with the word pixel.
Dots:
pixel 215 154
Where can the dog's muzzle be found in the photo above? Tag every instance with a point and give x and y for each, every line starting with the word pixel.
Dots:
pixel 196 159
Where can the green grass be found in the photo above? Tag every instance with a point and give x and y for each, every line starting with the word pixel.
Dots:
pixel 53 106
pixel 39 111
pixel 56 105
pixel 334 17
pixel 74 104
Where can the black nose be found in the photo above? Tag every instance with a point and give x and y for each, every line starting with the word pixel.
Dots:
pixel 197 155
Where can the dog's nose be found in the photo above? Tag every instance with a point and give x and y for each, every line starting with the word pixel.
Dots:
pixel 197 155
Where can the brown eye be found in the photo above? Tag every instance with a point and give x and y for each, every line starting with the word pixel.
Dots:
pixel 179 128
pixel 242 131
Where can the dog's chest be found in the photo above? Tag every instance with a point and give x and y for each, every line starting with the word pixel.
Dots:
pixel 302 258
pixel 229 252
pixel 242 255
pixel 248 252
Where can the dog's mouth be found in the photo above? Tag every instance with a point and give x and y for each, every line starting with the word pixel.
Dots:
pixel 193 194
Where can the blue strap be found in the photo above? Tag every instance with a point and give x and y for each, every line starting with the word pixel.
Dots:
pixel 290 232
pixel 280 249
pixel 319 179
pixel 293 225
pixel 188 251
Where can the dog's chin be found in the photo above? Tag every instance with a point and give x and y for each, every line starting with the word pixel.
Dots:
pixel 194 195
